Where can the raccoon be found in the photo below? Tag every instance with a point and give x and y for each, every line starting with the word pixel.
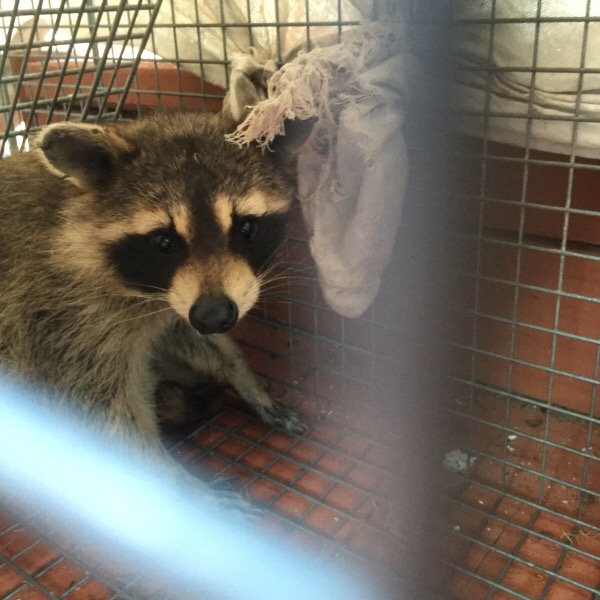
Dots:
pixel 129 250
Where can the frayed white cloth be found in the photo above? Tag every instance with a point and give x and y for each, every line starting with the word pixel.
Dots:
pixel 352 172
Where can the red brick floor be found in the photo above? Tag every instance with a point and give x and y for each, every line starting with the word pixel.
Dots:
pixel 521 528
pixel 529 518
pixel 319 491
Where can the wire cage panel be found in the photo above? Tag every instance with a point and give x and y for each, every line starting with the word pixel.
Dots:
pixel 518 275
pixel 67 60
pixel 339 491
pixel 527 358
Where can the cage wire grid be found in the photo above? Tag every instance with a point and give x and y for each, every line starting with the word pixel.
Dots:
pixel 523 520
pixel 528 359
pixel 60 60
pixel 332 491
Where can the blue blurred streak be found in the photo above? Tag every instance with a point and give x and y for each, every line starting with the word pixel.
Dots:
pixel 72 472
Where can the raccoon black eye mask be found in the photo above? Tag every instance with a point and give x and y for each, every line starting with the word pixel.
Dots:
pixel 149 261
pixel 130 249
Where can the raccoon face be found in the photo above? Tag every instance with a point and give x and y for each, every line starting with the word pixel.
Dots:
pixel 168 209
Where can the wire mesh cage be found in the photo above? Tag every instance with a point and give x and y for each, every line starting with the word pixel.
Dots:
pixel 502 265
pixel 526 170
pixel 66 60
pixel 339 490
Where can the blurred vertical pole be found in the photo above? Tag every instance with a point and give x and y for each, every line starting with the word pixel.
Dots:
pixel 422 272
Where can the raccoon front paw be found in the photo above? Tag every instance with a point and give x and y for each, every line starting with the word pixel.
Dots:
pixel 280 415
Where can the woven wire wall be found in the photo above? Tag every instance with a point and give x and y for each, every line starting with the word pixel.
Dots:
pixel 368 384
pixel 524 513
pixel 67 60
pixel 526 508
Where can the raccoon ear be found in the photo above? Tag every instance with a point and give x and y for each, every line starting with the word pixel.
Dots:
pixel 86 154
pixel 248 84
pixel 287 146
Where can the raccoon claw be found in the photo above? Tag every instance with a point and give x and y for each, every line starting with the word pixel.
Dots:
pixel 236 506
pixel 224 484
pixel 237 503
pixel 220 494
pixel 279 415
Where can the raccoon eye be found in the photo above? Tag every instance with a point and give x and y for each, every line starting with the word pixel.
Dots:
pixel 163 242
pixel 247 229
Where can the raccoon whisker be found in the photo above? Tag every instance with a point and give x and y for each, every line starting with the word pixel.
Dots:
pixel 152 287
pixel 288 279
pixel 275 252
pixel 281 284
pixel 276 287
pixel 265 280
pixel 142 302
pixel 149 297
pixel 270 290
pixel 307 273
pixel 271 301
pixel 155 312
pixel 277 269
pixel 280 294
pixel 273 293
pixel 287 267
pixel 272 261
pixel 261 275
pixel 301 279
pixel 304 258
pixel 283 275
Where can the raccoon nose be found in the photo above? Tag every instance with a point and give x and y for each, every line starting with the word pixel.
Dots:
pixel 213 314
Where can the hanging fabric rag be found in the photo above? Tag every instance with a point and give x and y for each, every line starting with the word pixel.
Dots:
pixel 352 173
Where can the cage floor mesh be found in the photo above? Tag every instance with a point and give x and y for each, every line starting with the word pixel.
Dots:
pixel 325 492
pixel 527 528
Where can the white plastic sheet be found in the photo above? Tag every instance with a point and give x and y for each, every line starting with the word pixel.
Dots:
pixel 530 67
pixel 191 44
